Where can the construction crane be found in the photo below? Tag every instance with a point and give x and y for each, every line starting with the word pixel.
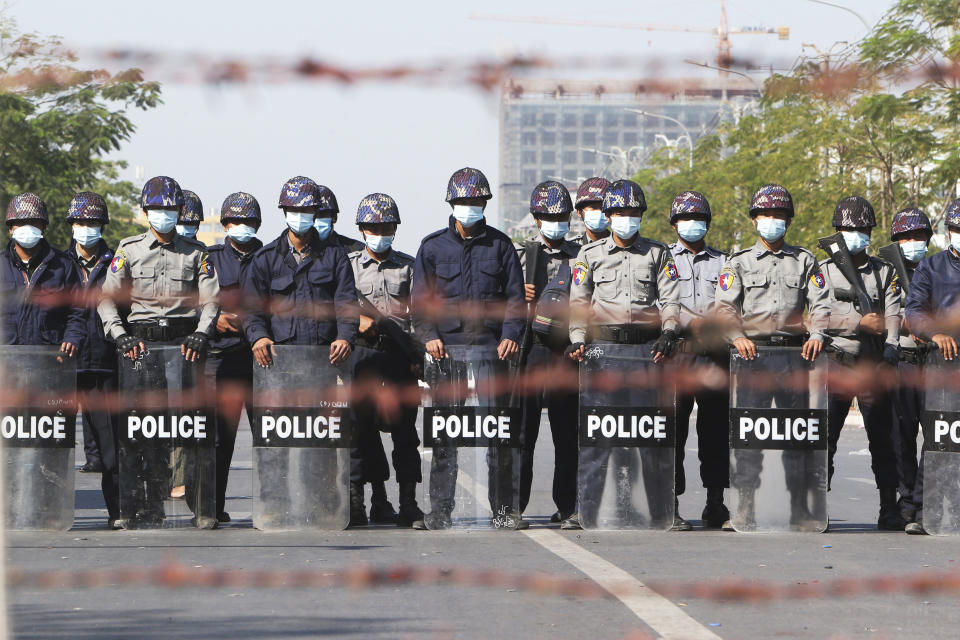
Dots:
pixel 722 32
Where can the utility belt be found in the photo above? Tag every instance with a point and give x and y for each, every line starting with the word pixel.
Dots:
pixel 378 342
pixel 624 333
pixel 163 330
pixel 911 356
pixel 778 341
pixel 842 356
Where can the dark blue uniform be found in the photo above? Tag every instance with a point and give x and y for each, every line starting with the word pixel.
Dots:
pixel 230 361
pixel 471 272
pixel 97 375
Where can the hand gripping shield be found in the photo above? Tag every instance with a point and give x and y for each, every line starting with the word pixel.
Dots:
pixel 471 441
pixel 37 421
pixel 941 446
pixel 627 435
pixel 166 437
pixel 302 433
pixel 778 441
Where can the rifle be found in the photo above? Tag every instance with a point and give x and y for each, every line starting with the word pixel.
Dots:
pixel 892 254
pixel 836 248
pixel 532 256
pixel 388 326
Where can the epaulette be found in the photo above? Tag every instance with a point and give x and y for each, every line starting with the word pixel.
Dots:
pixel 430 236
pixel 406 257
pixel 132 239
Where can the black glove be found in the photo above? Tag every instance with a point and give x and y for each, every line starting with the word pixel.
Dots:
pixel 665 343
pixel 197 342
pixel 571 348
pixel 891 354
pixel 126 342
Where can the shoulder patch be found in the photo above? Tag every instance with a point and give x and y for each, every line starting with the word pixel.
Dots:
pixel 670 268
pixel 206 264
pixel 895 285
pixel 580 270
pixel 726 278
pixel 118 261
pixel 817 280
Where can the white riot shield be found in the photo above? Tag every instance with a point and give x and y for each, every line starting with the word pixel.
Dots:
pixel 167 434
pixel 302 434
pixel 778 441
pixel 627 435
pixel 941 446
pixel 471 441
pixel 38 423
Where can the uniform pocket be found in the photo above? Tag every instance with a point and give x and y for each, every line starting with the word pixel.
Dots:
pixel 491 281
pixel 605 284
pixel 644 287
pixel 448 279
pixel 144 282
pixel 181 280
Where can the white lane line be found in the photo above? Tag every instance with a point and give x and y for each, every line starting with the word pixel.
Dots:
pixel 661 615
pixel 863 480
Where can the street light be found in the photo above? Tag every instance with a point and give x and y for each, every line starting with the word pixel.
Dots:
pixel 682 126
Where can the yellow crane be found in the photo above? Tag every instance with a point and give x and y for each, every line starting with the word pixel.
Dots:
pixel 722 32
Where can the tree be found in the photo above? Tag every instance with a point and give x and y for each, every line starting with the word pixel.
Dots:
pixel 57 126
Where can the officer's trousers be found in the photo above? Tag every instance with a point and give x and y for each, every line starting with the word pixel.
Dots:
pixel 372 369
pixel 876 409
pixel 713 425
pixel 907 408
pixel 232 373
pixel 562 411
pixel 102 424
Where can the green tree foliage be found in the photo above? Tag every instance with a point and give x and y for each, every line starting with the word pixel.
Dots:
pixel 58 124
pixel 883 123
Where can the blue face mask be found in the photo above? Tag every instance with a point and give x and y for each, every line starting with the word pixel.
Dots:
pixel 27 236
pixel 625 226
pixel 771 229
pixel 955 241
pixel 692 230
pixel 187 230
pixel 467 215
pixel 553 230
pixel 378 244
pixel 914 250
pixel 323 226
pixel 856 241
pixel 162 220
pixel 86 236
pixel 299 222
pixel 595 220
pixel 241 233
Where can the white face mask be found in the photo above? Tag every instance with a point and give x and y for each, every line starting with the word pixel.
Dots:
pixel 771 229
pixel 692 230
pixel 553 230
pixel 595 220
pixel 856 241
pixel 468 215
pixel 914 250
pixel 625 226
pixel 187 230
pixel 299 222
pixel 27 236
pixel 162 220
pixel 86 236
pixel 955 241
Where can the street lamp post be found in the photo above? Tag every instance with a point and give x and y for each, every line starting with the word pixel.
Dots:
pixel 682 126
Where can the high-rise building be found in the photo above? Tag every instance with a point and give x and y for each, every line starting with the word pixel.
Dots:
pixel 572 130
pixel 210 231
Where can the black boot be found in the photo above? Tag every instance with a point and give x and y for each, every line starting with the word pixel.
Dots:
pixel 358 515
pixel 381 511
pixel 409 511
pixel 715 513
pixel 890 518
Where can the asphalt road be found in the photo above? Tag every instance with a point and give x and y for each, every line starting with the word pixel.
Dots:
pixel 853 548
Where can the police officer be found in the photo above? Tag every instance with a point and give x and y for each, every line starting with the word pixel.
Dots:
pixel 932 302
pixel 383 276
pixel 699 268
pixel 551 206
pixel 589 203
pixel 230 362
pixel 468 263
pixel 188 223
pixel 325 216
pixel 97 359
pixel 173 294
pixel 301 291
pixel 911 231
pixel 607 307
pixel 861 337
pixel 762 292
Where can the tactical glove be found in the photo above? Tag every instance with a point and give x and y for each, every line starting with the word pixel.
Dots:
pixel 126 342
pixel 197 342
pixel 666 343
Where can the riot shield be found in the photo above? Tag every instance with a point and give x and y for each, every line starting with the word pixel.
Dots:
pixel 38 423
pixel 627 434
pixel 167 419
pixel 302 434
pixel 941 446
pixel 778 441
pixel 471 440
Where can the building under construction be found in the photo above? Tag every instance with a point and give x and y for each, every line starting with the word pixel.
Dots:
pixel 571 130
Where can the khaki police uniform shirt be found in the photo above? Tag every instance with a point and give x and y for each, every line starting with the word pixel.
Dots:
pixel 763 293
pixel 172 281
pixel 549 261
pixel 615 285
pixel 386 283
pixel 844 317
pixel 697 284
pixel 906 342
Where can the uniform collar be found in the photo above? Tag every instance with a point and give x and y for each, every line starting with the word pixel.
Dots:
pixel 677 248
pixel 177 242
pixel 99 252
pixel 566 246
pixel 366 258
pixel 456 234
pixel 611 245
pixel 240 255
pixel 35 261
pixel 759 249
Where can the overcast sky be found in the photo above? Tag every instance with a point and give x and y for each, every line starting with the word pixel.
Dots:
pixel 400 139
